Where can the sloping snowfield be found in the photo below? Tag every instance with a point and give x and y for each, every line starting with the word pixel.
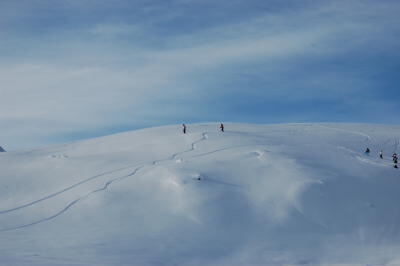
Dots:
pixel 290 194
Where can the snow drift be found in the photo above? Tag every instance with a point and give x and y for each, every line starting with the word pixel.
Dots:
pixel 299 194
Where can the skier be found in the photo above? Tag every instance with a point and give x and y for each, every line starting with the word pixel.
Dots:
pixel 394 156
pixel 184 128
pixel 381 154
pixel 367 151
pixel 222 127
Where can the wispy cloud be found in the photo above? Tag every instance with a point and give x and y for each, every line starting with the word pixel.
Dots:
pixel 83 67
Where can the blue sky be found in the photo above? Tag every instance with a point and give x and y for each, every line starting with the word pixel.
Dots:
pixel 75 69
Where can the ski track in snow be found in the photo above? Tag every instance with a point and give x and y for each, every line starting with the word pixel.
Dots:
pixel 370 161
pixel 96 176
pixel 107 184
pixel 225 149
pixel 63 190
pixel 368 138
pixel 193 147
pixel 367 158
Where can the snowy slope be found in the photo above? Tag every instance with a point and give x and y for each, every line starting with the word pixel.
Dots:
pixel 290 194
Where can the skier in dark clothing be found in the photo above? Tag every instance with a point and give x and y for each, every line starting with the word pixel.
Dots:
pixel 381 154
pixel 222 127
pixel 184 128
pixel 367 151
pixel 394 156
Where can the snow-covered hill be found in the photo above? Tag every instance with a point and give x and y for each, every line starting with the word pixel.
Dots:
pixel 290 194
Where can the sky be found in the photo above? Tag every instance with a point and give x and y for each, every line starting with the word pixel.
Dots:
pixel 76 69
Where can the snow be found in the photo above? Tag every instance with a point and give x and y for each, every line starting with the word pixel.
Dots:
pixel 287 194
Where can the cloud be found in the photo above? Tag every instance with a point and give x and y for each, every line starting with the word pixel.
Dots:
pixel 145 65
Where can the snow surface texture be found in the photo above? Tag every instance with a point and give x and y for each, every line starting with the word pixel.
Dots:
pixel 293 194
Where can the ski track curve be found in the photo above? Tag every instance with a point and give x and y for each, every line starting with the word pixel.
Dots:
pixel 204 137
pixel 175 155
pixel 106 185
pixel 385 162
pixel 72 203
pixel 368 138
pixel 227 148
pixel 63 190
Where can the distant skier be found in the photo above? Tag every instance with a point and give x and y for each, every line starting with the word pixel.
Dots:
pixel 395 166
pixel 394 156
pixel 184 128
pixel 381 154
pixel 222 127
pixel 367 151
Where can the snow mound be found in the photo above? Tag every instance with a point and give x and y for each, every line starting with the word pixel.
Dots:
pixel 1 149
pixel 290 194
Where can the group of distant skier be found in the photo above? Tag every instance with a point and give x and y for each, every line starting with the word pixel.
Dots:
pixel 221 127
pixel 394 156
pixel 367 151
